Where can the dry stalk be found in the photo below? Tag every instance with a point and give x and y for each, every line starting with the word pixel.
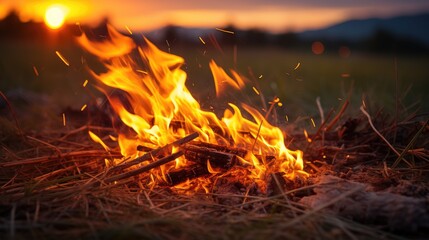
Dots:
pixel 12 112
pixel 410 144
pixel 381 136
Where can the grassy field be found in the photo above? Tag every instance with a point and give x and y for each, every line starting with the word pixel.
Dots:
pixel 377 79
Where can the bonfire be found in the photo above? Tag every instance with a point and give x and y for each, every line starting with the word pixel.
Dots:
pixel 167 168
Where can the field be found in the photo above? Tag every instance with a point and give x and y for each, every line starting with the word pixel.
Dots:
pixel 51 173
pixel 379 79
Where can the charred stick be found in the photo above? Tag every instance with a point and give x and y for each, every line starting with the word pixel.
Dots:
pixel 191 172
pixel 156 152
pixel 240 152
pixel 146 168
pixel 142 148
pixel 236 151
pixel 217 159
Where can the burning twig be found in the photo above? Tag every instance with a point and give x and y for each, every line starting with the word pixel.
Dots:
pixel 146 168
pixel 236 151
pixel 155 152
pixel 273 103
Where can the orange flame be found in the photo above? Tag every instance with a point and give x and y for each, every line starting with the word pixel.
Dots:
pixel 156 97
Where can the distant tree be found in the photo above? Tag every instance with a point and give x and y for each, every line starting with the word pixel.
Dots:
pixel 226 39
pixel 384 41
pixel 255 37
pixel 171 34
pixel 11 25
pixel 380 41
pixel 287 40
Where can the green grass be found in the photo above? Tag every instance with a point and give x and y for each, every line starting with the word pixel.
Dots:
pixel 372 76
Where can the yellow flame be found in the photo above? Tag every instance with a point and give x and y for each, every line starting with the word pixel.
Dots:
pixel 211 169
pixel 222 80
pixel 97 139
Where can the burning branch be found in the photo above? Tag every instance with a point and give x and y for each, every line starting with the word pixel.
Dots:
pixel 155 152
pixel 217 159
pixel 190 172
pixel 146 168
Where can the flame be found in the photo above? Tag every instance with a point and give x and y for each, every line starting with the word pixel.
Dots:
pixel 160 109
pixel 97 139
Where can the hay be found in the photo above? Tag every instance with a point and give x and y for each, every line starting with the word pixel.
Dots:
pixel 51 186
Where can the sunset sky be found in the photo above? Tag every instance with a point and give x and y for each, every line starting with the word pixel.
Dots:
pixel 274 15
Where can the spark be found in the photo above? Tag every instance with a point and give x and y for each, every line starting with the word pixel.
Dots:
pixel 306 136
pixel 201 39
pixel 35 71
pixel 63 58
pixel 141 71
pixel 260 77
pixel 64 119
pixel 256 90
pixel 85 83
pixel 83 107
pixel 129 30
pixel 279 104
pixel 297 66
pixel 225 31
pixel 312 122
pixel 276 100
pixel 168 44
pixel 287 118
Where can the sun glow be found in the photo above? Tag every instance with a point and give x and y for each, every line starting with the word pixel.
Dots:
pixel 55 16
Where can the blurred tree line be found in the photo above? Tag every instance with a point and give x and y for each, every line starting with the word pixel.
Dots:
pixel 381 41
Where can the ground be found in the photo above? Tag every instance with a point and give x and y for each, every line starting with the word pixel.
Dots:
pixel 50 188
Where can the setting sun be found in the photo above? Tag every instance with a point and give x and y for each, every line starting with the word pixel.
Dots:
pixel 55 16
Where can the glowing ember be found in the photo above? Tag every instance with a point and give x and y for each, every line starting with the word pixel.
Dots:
pixel 65 61
pixel 202 40
pixel 160 109
pixel 64 119
pixel 224 30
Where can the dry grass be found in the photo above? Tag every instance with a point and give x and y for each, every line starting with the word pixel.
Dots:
pixel 52 186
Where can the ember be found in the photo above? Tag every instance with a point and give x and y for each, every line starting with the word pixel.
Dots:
pixel 153 104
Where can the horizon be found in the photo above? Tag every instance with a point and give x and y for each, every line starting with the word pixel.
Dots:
pixel 274 16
